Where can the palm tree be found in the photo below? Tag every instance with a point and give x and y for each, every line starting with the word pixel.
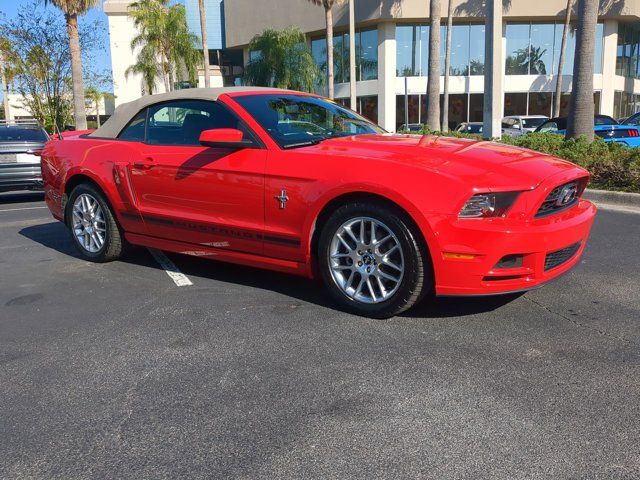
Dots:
pixel 147 66
pixel 71 10
pixel 163 35
pixel 95 96
pixel 282 60
pixel 205 45
pixel 433 82
pixel 580 120
pixel 8 70
pixel 328 16
pixel 447 65
pixel 563 49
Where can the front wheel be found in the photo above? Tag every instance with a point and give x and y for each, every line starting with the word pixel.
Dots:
pixel 372 261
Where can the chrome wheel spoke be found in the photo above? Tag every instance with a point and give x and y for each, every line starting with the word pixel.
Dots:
pixel 366 260
pixel 88 223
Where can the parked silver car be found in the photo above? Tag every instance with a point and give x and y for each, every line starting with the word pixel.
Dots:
pixel 517 125
pixel 21 142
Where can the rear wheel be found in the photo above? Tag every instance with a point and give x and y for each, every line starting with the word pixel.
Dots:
pixel 93 227
pixel 372 261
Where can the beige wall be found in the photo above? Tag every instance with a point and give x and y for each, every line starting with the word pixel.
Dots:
pixel 246 18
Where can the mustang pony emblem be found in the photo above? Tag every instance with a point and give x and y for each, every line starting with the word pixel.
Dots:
pixel 282 198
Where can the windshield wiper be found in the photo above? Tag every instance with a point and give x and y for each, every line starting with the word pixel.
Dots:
pixel 306 143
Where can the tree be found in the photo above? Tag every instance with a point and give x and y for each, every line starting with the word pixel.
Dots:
pixel 146 66
pixel 72 9
pixel 163 35
pixel 41 63
pixel 328 16
pixel 283 60
pixel 205 45
pixel 563 49
pixel 433 82
pixel 581 110
pixel 447 66
pixel 8 70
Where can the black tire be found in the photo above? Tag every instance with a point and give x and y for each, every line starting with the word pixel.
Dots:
pixel 417 280
pixel 114 242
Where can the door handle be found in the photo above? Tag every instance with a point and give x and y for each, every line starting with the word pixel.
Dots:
pixel 143 164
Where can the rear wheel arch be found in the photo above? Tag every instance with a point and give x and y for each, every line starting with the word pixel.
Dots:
pixel 79 179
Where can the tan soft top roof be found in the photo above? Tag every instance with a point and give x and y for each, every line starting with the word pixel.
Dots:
pixel 125 112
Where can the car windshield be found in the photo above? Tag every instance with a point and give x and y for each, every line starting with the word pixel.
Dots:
pixel 533 122
pixel 297 120
pixel 21 134
pixel 604 120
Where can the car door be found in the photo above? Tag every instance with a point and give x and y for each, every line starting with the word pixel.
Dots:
pixel 186 192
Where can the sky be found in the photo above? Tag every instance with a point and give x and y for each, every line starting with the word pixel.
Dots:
pixel 9 9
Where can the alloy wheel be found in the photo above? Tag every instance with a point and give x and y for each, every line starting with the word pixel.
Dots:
pixel 89 226
pixel 366 260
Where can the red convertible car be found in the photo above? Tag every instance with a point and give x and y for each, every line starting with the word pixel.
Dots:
pixel 293 182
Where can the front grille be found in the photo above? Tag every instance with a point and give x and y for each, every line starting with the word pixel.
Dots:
pixel 557 258
pixel 561 198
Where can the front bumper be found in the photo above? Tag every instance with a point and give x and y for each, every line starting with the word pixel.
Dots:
pixel 20 176
pixel 470 250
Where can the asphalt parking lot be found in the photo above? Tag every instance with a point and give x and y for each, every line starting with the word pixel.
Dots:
pixel 114 371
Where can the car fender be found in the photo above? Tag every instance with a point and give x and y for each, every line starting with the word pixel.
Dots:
pixel 378 190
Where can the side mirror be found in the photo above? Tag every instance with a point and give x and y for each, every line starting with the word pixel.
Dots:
pixel 224 138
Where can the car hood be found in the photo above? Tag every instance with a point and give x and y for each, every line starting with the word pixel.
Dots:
pixel 482 164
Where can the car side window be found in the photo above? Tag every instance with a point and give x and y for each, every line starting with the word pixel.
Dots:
pixel 135 130
pixel 181 122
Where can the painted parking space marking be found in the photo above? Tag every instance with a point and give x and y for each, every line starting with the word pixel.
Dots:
pixel 18 209
pixel 179 278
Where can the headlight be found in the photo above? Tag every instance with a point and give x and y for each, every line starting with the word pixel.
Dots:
pixel 484 205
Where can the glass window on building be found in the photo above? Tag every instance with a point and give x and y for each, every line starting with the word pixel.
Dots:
pixel 366 55
pixel 476 50
pixel 458 109
pixel 367 106
pixel 541 49
pixel 565 99
pixel 467 50
pixel 476 107
pixel 412 50
pixel 413 110
pixel 625 104
pixel 627 63
pixel 459 50
pixel 517 59
pixel 515 104
pixel 540 103
pixel 534 48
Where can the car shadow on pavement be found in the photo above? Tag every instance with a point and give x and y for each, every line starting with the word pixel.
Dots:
pixel 21 197
pixel 54 235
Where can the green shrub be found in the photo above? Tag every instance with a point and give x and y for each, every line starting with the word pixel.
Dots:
pixel 613 166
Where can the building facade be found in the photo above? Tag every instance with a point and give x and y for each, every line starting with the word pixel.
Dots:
pixel 392 54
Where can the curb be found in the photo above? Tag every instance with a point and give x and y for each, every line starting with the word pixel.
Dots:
pixel 623 199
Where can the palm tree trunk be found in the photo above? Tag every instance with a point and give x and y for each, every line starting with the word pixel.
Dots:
pixel 580 121
pixel 5 90
pixel 98 112
pixel 433 82
pixel 205 44
pixel 79 109
pixel 447 64
pixel 563 49
pixel 329 19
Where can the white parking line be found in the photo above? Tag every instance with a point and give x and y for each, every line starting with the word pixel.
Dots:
pixel 17 209
pixel 179 278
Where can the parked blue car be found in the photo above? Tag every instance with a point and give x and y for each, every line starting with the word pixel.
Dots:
pixel 605 127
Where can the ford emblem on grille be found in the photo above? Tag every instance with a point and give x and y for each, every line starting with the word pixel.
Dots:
pixel 567 194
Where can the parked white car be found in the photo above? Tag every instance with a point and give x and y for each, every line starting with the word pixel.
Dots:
pixel 517 125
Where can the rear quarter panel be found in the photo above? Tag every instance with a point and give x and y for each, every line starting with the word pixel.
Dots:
pixel 100 160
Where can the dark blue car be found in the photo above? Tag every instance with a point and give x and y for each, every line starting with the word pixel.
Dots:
pixel 605 127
